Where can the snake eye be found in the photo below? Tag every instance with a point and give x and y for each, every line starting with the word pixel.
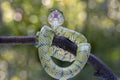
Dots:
pixel 60 12
pixel 52 10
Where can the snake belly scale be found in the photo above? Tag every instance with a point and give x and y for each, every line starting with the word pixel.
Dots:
pixel 47 50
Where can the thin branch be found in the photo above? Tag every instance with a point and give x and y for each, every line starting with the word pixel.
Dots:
pixel 102 70
pixel 17 40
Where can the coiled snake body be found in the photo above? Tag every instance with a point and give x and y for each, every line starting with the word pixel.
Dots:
pixel 47 50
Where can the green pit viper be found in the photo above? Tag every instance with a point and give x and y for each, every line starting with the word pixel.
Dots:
pixel 47 50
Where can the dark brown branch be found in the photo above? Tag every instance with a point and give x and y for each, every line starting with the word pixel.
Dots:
pixel 102 70
pixel 17 40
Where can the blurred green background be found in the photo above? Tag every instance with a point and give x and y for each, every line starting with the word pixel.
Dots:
pixel 98 20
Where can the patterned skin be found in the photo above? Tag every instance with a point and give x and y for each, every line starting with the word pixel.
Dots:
pixel 47 50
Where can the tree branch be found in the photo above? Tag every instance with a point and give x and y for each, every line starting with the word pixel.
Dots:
pixel 17 40
pixel 102 70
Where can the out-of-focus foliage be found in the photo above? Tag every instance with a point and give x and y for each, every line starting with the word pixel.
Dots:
pixel 98 20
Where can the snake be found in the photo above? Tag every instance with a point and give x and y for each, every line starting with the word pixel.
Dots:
pixel 46 50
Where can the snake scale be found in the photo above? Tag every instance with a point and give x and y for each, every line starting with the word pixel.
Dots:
pixel 47 50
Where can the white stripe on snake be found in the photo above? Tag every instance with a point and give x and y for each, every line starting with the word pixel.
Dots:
pixel 47 50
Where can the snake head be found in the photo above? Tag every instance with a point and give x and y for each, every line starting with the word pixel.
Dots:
pixel 55 18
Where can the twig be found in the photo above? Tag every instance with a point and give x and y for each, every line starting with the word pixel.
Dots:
pixel 102 70
pixel 17 40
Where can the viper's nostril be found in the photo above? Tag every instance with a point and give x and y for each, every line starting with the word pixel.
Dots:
pixel 65 43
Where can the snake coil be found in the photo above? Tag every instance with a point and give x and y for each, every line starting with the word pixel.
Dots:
pixel 47 50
